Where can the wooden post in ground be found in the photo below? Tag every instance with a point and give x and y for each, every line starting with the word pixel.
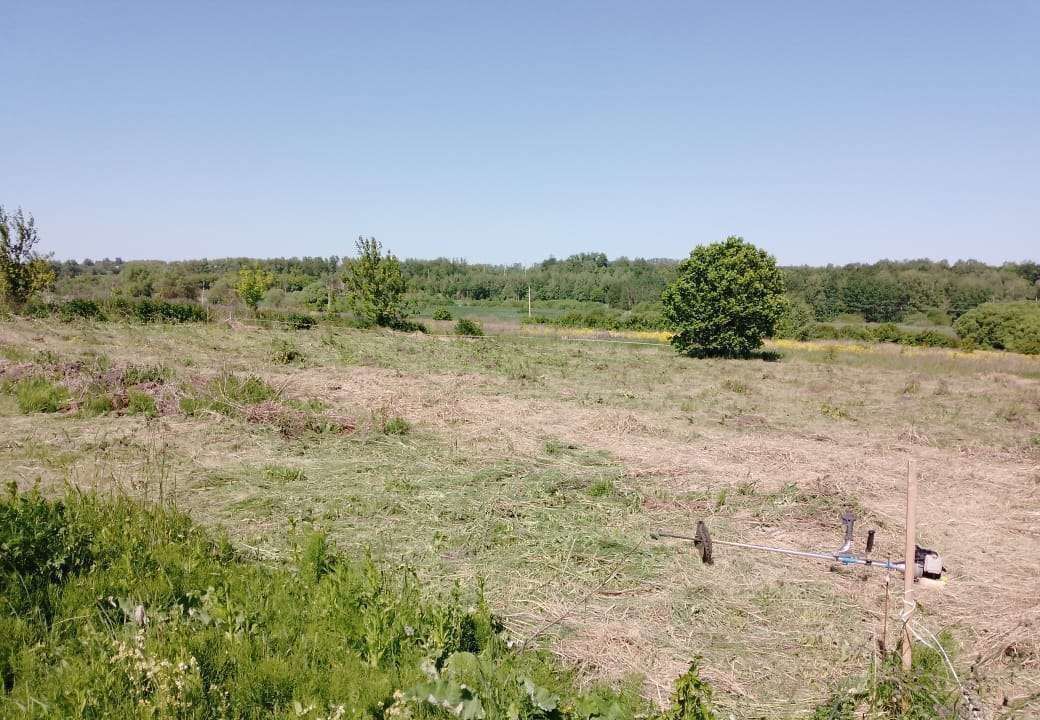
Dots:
pixel 910 559
pixel 528 300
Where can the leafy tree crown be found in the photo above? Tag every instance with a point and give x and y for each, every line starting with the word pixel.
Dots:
pixel 375 286
pixel 727 297
pixel 23 271
pixel 252 283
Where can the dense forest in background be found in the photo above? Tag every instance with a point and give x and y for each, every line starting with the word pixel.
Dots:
pixel 886 291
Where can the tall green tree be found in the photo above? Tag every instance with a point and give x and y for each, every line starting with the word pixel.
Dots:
pixel 727 297
pixel 252 283
pixel 375 286
pixel 23 271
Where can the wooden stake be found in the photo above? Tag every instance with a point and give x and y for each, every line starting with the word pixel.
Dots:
pixel 910 558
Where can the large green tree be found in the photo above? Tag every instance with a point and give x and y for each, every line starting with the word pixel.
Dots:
pixel 375 286
pixel 23 271
pixel 727 297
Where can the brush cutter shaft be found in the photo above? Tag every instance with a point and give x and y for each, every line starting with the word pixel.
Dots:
pixel 843 559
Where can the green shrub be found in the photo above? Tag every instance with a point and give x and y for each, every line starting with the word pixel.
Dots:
pixel 691 699
pixel 605 318
pixel 1003 326
pixel 37 394
pixel 285 352
pixel 465 326
pixel 442 314
pixel 375 286
pixel 297 321
pixel 797 321
pixel 157 311
pixel 883 332
pixel 727 297
pixel 85 309
pixel 158 619
pixel 139 403
pixel 402 325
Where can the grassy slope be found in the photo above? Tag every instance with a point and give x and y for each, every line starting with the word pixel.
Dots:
pixel 117 611
pixel 542 465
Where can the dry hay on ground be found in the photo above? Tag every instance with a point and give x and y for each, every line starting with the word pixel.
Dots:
pixel 977 507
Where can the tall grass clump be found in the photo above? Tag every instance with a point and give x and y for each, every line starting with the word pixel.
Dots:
pixel 39 395
pixel 139 403
pixel 228 394
pixel 112 609
pixel 138 374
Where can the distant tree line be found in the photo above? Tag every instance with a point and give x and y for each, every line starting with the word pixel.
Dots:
pixel 885 291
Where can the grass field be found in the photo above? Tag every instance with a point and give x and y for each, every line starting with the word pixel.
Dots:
pixel 542 463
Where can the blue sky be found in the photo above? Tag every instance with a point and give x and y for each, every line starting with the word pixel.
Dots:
pixel 506 132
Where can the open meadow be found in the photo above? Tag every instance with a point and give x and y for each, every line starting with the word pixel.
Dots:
pixel 540 464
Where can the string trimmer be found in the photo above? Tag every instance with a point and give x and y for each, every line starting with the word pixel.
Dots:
pixel 928 563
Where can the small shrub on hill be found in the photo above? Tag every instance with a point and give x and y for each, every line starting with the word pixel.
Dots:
pixel 442 314
pixel 465 326
pixel 285 352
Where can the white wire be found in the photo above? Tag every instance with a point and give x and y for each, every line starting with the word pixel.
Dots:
pixel 909 605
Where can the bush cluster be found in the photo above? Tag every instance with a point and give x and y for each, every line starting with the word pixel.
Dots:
pixel 881 332
pixel 465 326
pixel 1003 326
pixel 291 320
pixel 605 318
pixel 119 308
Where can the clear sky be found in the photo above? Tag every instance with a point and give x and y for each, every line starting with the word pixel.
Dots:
pixel 506 132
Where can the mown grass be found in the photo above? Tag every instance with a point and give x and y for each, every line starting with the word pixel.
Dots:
pixel 548 521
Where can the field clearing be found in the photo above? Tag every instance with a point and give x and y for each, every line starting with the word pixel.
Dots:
pixel 542 464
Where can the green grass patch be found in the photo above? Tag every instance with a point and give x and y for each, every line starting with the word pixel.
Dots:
pixel 284 474
pixel 139 374
pixel 38 395
pixel 95 405
pixel 396 426
pixel 14 353
pixel 139 403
